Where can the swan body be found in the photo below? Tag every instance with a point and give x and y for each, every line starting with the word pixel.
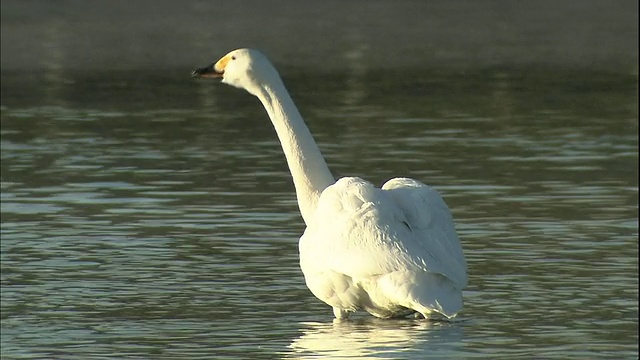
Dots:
pixel 390 251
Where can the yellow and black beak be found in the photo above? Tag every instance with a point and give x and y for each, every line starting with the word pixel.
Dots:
pixel 207 72
pixel 214 70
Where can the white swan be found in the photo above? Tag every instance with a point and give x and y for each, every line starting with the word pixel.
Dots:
pixel 391 251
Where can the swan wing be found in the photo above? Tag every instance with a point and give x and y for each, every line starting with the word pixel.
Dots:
pixel 363 232
pixel 434 239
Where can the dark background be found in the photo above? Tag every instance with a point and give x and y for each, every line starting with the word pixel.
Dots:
pixel 123 34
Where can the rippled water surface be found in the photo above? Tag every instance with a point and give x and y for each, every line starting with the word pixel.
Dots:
pixel 149 216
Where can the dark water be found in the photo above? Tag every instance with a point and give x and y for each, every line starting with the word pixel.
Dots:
pixel 152 224
pixel 147 215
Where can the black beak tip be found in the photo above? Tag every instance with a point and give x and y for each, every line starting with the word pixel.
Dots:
pixel 206 72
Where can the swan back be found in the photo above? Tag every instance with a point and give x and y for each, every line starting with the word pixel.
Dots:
pixel 384 250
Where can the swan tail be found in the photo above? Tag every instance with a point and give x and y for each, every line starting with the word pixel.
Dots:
pixel 424 292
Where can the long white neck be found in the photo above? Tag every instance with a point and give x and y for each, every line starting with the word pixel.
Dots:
pixel 310 172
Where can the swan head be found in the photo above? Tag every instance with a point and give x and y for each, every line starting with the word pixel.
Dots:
pixel 247 69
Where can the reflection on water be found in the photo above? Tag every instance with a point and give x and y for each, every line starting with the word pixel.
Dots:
pixel 377 339
pixel 154 224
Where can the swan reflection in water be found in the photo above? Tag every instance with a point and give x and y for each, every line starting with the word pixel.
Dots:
pixel 372 338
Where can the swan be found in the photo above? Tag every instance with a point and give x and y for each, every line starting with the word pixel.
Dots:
pixel 391 251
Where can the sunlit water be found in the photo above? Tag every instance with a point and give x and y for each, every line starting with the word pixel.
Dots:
pixel 139 223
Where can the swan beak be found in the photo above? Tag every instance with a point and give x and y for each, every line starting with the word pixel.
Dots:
pixel 207 72
pixel 214 70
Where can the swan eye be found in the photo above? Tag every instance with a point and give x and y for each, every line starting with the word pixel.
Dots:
pixel 233 57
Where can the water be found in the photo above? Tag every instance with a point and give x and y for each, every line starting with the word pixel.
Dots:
pixel 147 215
pixel 168 226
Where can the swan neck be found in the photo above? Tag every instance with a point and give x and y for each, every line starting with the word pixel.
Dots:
pixel 310 172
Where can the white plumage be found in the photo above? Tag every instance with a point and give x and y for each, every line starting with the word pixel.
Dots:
pixel 391 251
